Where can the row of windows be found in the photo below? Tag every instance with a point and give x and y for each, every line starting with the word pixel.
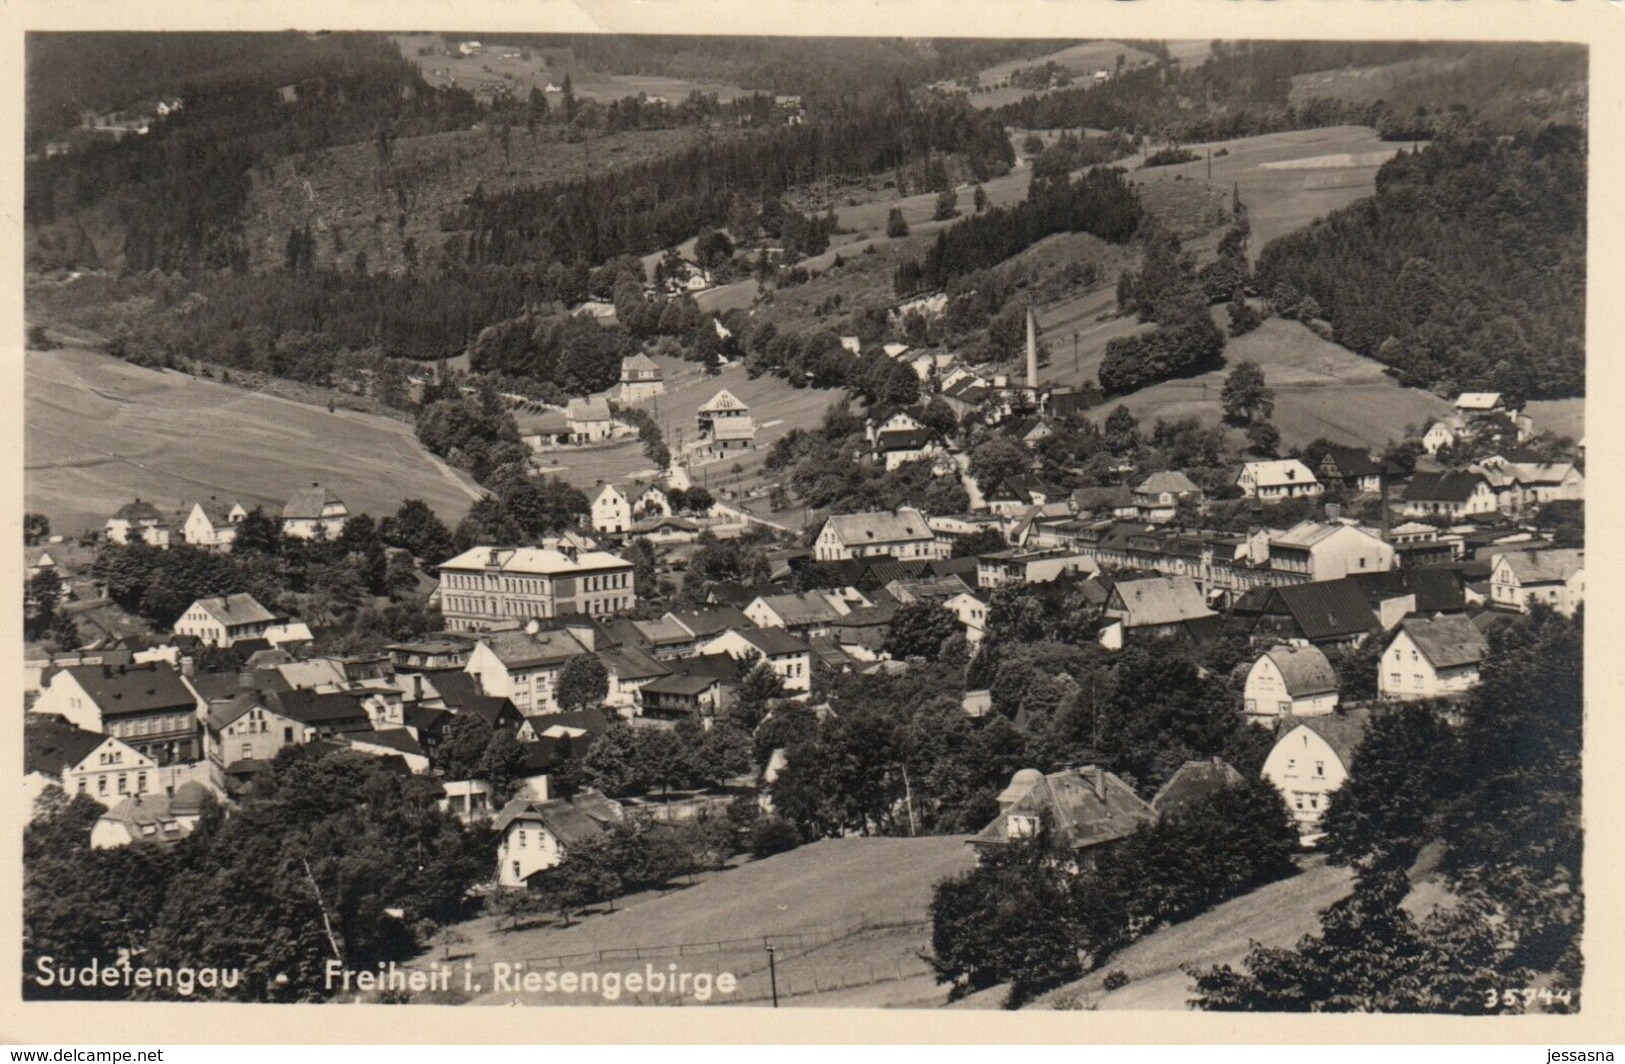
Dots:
pixel 123 784
pixel 152 725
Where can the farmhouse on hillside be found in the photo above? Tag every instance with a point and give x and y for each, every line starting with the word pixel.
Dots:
pixel 1088 809
pixel 641 379
pixel 212 523
pixel 725 423
pixel 1282 478
pixel 138 520
pixel 314 513
pixel 535 836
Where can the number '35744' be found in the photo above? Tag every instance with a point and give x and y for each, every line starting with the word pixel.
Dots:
pixel 1512 997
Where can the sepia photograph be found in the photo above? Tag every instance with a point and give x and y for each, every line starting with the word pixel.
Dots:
pixel 949 523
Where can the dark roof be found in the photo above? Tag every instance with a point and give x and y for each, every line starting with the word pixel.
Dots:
pixel 134 688
pixel 631 663
pixel 1194 780
pixel 317 708
pixel 424 718
pixel 455 688
pixel 772 641
pixel 569 819
pixel 492 709
pixel 1326 609
pixel 1343 732
pixel 592 721
pixel 1304 670
pixel 903 439
pixel 137 511
pixel 51 745
pixel 712 621
pixel 1454 486
pixel 1437 589
pixel 1086 807
pixel 1350 462
pixel 398 739
pixel 1447 642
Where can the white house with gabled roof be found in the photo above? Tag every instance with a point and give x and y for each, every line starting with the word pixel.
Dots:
pixel 611 510
pixel 1555 577
pixel 903 534
pixel 1289 681
pixel 1431 657
pixel 1281 478
pixel 213 523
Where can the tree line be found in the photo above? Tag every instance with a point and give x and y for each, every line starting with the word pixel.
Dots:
pixel 1100 202
pixel 661 202
pixel 1465 271
pixel 334 856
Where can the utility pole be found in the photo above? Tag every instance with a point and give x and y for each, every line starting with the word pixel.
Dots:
pixel 773 973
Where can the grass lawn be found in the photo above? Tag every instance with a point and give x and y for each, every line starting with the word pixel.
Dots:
pixel 1287 179
pixel 100 432
pixel 1321 389
pixel 1082 60
pixel 830 884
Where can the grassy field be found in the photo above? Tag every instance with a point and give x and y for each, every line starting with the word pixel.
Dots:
pixel 831 884
pixel 101 431
pixel 1276 915
pixel 1286 180
pixel 1321 389
pixel 1082 60
pixel 499 64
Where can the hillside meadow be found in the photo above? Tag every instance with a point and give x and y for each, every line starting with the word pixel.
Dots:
pixel 100 432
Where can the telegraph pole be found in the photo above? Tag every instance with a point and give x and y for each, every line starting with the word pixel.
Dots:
pixel 773 973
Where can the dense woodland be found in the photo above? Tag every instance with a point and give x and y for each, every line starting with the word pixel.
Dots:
pixel 827 73
pixel 1245 89
pixel 648 206
pixel 1465 271
pixel 1099 202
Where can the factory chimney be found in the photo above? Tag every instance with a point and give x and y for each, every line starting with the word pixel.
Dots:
pixel 1032 352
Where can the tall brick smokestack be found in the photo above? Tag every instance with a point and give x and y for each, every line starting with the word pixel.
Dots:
pixel 1032 352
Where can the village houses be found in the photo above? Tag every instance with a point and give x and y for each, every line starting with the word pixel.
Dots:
pixel 524 666
pixel 314 513
pixel 212 523
pixel 725 424
pixel 789 657
pixel 1311 760
pixel 222 620
pixel 1431 657
pixel 611 510
pixel 137 521
pixel 1281 478
pixel 151 707
pixel 904 534
pixel 1289 681
pixel 535 836
pixel 83 762
pixel 641 380
pixel 1553 576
